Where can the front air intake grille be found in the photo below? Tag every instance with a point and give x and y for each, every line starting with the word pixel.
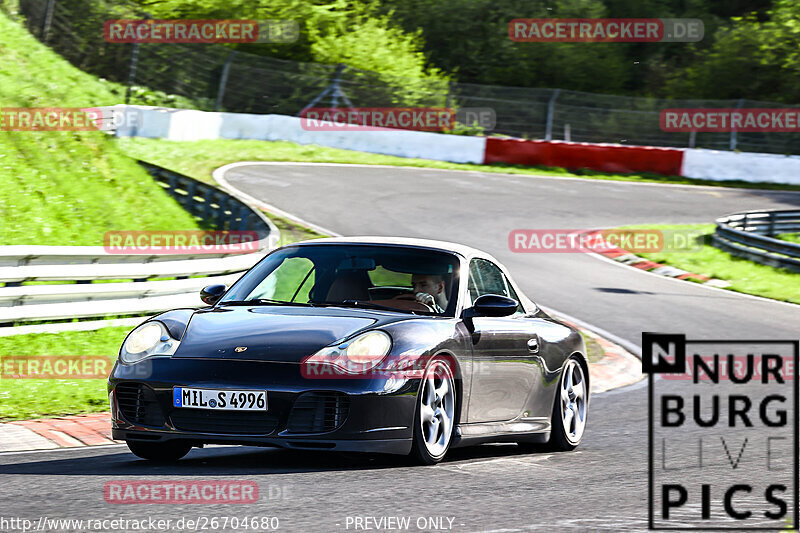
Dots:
pixel 318 412
pixel 138 404
pixel 223 422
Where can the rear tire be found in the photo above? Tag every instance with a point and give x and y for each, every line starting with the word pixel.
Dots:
pixel 434 418
pixel 162 452
pixel 570 408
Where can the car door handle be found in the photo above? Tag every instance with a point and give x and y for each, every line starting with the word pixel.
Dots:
pixel 533 344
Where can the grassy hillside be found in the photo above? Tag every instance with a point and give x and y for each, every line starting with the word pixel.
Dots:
pixel 67 188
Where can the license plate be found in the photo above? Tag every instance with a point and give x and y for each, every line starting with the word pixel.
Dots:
pixel 219 400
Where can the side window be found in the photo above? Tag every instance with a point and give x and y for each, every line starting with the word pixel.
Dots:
pixel 486 278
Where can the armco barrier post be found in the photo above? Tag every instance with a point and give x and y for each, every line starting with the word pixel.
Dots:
pixel 190 190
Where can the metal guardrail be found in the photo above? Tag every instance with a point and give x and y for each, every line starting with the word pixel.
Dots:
pixel 210 203
pixel 76 267
pixel 750 235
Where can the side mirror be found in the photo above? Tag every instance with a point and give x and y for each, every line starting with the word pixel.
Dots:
pixel 212 293
pixel 495 305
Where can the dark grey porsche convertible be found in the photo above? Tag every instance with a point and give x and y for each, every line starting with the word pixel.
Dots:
pixel 398 346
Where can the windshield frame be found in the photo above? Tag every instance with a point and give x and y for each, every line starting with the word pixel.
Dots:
pixel 454 305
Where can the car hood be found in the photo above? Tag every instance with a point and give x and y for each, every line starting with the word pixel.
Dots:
pixel 278 334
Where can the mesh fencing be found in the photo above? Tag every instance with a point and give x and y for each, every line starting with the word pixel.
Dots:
pixel 261 84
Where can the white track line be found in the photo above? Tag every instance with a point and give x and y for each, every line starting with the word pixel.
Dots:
pixel 227 167
pixel 219 176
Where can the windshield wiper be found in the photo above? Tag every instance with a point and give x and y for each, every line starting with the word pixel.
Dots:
pixel 262 301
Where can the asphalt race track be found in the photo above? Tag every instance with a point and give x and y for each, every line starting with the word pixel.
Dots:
pixel 480 209
pixel 601 486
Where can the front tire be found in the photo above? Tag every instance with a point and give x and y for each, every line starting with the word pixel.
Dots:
pixel 162 452
pixel 570 408
pixel 434 419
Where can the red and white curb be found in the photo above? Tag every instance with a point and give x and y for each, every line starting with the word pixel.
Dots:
pixel 61 432
pixel 627 258
pixel 618 367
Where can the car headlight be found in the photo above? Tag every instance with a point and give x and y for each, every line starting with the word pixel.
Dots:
pixel 357 355
pixel 149 339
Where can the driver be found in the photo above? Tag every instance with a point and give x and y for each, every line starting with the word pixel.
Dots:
pixel 429 289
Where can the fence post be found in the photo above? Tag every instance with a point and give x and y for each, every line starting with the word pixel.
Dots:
pixel 336 89
pixel 223 80
pixel 449 103
pixel 733 132
pixel 48 19
pixel 771 227
pixel 692 139
pixel 132 69
pixel 548 132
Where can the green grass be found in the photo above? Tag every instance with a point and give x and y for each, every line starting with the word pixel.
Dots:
pixel 35 398
pixel 292 231
pixel 594 351
pixel 68 188
pixel 744 276
pixel 791 237
pixel 199 158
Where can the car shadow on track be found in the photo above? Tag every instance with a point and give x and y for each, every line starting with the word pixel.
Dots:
pixel 236 460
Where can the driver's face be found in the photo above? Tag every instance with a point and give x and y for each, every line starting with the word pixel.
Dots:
pixel 431 284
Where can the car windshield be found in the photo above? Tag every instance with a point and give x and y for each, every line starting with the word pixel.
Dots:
pixel 404 279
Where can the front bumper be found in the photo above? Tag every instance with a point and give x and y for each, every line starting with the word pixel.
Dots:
pixel 366 415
